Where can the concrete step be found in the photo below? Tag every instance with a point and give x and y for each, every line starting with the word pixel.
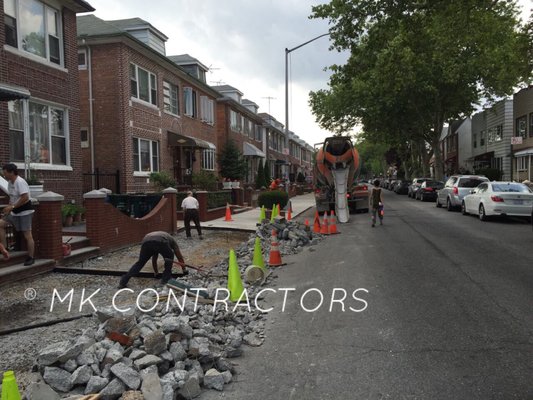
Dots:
pixel 15 257
pixel 77 242
pixel 81 254
pixel 18 272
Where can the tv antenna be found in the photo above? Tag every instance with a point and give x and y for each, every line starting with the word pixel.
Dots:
pixel 269 98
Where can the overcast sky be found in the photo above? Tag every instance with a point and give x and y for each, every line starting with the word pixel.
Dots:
pixel 243 42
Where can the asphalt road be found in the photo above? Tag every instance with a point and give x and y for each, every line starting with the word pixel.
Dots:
pixel 449 316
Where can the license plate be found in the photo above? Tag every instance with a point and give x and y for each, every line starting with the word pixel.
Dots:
pixel 518 202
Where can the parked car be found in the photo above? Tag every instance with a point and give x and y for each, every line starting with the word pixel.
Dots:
pixel 456 188
pixel 498 198
pixel 402 187
pixel 393 184
pixel 360 192
pixel 415 185
pixel 428 190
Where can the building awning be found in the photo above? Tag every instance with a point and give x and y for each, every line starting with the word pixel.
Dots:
pixel 522 153
pixel 251 151
pixel 176 139
pixel 281 162
pixel 12 92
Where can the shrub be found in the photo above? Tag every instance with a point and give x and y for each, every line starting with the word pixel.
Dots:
pixel 260 178
pixel 231 161
pixel 162 180
pixel 69 210
pixel 300 178
pixel 492 173
pixel 204 180
pixel 266 171
pixel 268 199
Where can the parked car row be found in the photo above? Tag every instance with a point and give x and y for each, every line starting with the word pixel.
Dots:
pixel 472 194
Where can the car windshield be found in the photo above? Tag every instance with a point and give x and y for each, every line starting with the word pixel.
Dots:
pixel 470 182
pixel 434 184
pixel 510 188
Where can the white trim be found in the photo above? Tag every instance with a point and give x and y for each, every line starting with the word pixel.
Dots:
pixel 523 153
pixel 145 103
pixel 33 57
pixel 45 167
pixel 141 174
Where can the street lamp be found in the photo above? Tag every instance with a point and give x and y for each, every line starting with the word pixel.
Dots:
pixel 287 51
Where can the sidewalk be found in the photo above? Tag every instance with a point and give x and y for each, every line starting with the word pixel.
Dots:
pixel 247 220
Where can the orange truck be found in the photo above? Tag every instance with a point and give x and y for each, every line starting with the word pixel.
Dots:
pixel 335 169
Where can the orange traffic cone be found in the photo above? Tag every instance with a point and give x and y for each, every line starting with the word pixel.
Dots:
pixel 316 226
pixel 307 223
pixel 333 224
pixel 289 215
pixel 324 229
pixel 275 255
pixel 228 213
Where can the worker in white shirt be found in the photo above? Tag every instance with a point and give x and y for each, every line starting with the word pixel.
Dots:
pixel 190 206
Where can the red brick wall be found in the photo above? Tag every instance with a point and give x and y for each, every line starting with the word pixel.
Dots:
pixel 109 229
pixel 118 119
pixel 49 84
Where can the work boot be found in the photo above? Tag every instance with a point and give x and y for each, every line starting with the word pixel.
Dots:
pixel 29 261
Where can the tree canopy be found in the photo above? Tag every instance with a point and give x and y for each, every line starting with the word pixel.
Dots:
pixel 416 64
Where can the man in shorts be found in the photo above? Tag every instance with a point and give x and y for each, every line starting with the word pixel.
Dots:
pixel 19 212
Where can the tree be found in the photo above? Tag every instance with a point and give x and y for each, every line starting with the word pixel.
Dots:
pixel 232 163
pixel 260 178
pixel 415 65
pixel 266 170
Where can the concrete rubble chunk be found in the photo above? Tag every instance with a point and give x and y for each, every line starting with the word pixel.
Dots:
pixel 136 354
pixel 191 389
pixel 82 375
pixel 112 356
pixel 41 391
pixel 50 355
pixel 95 384
pixel 151 387
pixel 155 343
pixel 146 361
pixel 178 352
pixel 70 366
pixel 228 377
pixel 58 379
pixel 127 375
pixel 214 380
pixel 74 350
pixel 113 390
pixel 253 340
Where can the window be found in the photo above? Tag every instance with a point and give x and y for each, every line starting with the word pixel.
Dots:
pixel 145 155
pixel 35 28
pixel 82 59
pixel 170 98
pixel 521 126
pixel 84 138
pixel 208 159
pixel 522 163
pixel 475 140
pixel 499 133
pixel 258 133
pixel 496 163
pixel 235 121
pixel 143 84
pixel 482 138
pixel 207 110
pixel 189 96
pixel 47 134
pixel 251 129
pixel 531 124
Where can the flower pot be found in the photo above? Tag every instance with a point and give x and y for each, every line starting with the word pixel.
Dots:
pixel 36 190
pixel 69 219
pixel 226 185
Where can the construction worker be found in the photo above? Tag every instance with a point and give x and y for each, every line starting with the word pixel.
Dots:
pixel 190 207
pixel 153 244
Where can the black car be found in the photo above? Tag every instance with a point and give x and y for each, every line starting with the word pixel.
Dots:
pixel 402 187
pixel 428 190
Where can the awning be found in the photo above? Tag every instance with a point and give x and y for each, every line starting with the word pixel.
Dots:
pixel 12 92
pixel 525 152
pixel 281 162
pixel 175 139
pixel 251 151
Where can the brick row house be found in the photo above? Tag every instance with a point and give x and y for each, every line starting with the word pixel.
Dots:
pixel 278 151
pixel 141 112
pixel 39 92
pixel 237 120
pixel 523 132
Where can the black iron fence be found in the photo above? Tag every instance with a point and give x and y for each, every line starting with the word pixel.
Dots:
pixel 98 180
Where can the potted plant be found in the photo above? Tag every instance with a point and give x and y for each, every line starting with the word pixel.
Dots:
pixel 36 185
pixel 77 216
pixel 67 212
pixel 226 184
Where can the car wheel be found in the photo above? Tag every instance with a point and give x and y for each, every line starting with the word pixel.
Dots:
pixel 449 206
pixel 482 215
pixel 438 203
pixel 463 208
pixel 422 197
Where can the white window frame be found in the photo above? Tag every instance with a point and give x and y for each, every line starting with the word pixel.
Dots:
pixel 207 111
pixel 154 167
pixel 522 163
pixel 84 65
pixel 152 86
pixel 189 102
pixel 84 143
pixel 168 98
pixel 46 9
pixel 518 121
pixel 208 159
pixel 38 164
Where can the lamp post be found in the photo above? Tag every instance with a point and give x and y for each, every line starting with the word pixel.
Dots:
pixel 287 51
